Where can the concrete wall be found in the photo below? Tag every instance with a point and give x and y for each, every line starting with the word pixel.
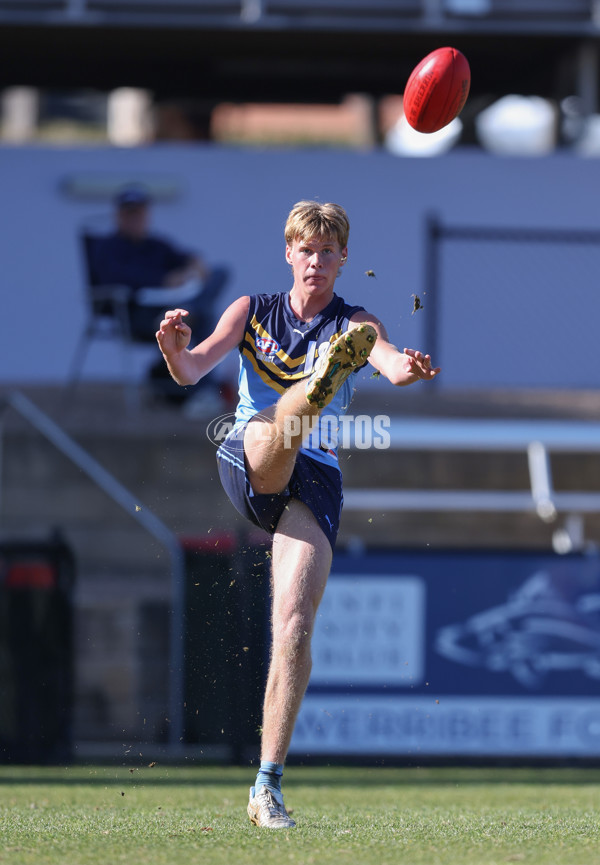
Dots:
pixel 232 205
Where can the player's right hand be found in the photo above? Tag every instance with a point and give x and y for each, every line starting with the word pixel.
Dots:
pixel 173 334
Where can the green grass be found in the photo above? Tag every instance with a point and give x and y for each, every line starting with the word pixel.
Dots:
pixel 181 816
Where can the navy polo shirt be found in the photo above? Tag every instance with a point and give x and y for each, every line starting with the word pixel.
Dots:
pixel 117 260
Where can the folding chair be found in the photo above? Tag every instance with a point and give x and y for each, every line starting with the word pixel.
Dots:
pixel 108 317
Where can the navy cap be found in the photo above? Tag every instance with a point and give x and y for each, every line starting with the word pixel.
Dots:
pixel 131 196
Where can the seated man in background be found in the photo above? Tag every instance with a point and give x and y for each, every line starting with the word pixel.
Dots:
pixel 160 275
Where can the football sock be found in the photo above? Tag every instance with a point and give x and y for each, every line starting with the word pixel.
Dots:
pixel 269 775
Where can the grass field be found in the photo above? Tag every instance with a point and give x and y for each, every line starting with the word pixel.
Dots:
pixel 174 815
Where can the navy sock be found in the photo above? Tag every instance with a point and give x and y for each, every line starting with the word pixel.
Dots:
pixel 269 775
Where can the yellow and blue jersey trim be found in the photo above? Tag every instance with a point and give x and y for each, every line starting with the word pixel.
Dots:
pixel 278 350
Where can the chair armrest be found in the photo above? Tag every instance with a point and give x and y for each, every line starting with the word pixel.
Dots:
pixel 111 301
pixel 116 293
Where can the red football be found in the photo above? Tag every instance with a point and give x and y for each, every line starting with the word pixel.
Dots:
pixel 437 90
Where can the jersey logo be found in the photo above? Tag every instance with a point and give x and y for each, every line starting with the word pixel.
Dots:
pixel 266 345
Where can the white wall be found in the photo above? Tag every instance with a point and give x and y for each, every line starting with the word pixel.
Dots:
pixel 233 207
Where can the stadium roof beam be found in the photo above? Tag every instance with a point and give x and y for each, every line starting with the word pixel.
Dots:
pixel 574 17
pixel 292 51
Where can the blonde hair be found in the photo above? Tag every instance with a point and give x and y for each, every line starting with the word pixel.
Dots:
pixel 308 219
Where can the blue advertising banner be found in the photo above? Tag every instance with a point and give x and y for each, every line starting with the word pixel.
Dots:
pixel 456 653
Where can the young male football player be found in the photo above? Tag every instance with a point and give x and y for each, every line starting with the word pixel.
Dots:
pixel 298 351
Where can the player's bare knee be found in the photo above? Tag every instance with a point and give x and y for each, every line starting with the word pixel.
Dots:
pixel 269 479
pixel 261 437
pixel 292 633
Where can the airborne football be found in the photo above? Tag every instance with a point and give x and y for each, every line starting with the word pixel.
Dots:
pixel 437 90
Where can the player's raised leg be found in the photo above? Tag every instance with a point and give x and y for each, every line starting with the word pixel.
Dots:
pixel 273 438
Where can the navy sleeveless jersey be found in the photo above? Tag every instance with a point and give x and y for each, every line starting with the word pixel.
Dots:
pixel 278 349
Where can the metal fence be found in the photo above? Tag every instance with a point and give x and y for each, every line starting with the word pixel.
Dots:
pixel 509 307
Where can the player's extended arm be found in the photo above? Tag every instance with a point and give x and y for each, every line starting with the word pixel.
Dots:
pixel 401 368
pixel 188 366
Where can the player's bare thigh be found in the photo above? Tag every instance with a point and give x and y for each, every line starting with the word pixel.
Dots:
pixel 268 461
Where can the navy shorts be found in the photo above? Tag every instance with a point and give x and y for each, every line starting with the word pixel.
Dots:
pixel 317 485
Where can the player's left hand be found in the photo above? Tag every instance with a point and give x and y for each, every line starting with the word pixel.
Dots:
pixel 419 364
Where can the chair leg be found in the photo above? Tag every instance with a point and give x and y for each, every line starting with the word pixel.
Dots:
pixel 79 357
pixel 131 388
pixel 76 367
pixel 131 391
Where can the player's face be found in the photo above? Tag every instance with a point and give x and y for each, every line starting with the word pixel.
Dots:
pixel 315 263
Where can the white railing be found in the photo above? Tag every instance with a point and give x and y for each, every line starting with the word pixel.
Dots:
pixel 538 439
pixel 151 523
